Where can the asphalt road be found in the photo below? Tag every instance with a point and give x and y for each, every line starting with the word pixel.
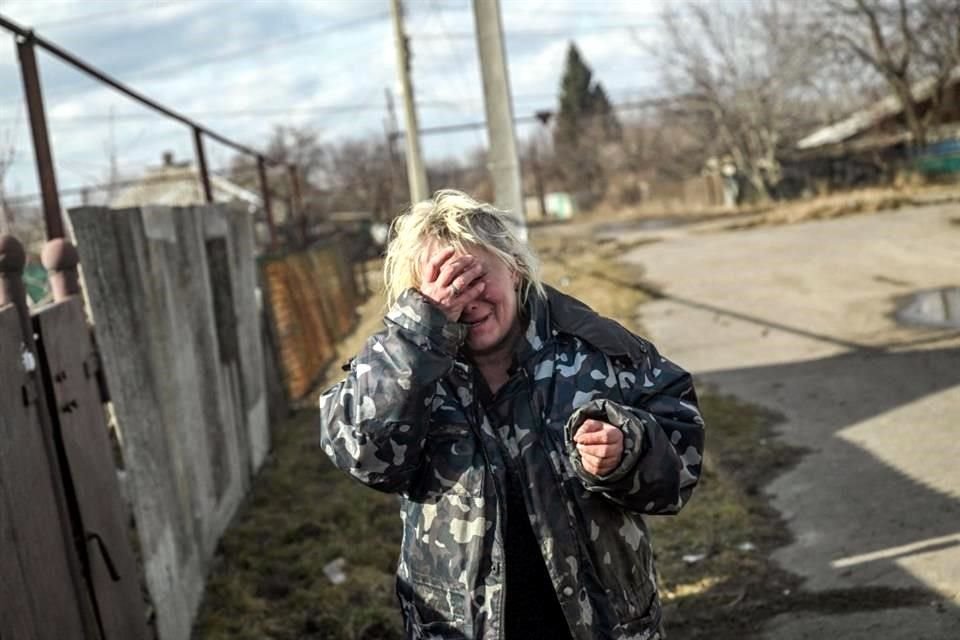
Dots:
pixel 799 319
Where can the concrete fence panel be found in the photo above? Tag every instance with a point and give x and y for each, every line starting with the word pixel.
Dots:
pixel 172 294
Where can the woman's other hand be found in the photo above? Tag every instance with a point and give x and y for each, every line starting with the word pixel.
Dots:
pixel 600 446
pixel 452 281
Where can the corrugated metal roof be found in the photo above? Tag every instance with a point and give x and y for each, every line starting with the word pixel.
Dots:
pixel 178 186
pixel 866 118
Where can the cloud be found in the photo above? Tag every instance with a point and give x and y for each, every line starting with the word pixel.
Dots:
pixel 222 59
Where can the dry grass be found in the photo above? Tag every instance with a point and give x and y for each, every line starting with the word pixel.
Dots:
pixel 821 207
pixel 849 203
pixel 268 580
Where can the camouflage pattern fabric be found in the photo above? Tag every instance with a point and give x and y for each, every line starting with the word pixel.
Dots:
pixel 406 420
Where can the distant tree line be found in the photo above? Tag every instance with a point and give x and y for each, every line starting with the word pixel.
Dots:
pixel 743 83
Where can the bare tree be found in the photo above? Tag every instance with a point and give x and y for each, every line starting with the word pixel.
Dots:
pixel 745 77
pixel 914 45
pixel 357 175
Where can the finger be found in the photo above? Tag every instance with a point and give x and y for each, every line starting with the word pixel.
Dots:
pixel 597 470
pixel 471 293
pixel 453 268
pixel 604 436
pixel 589 426
pixel 600 450
pixel 436 261
pixel 605 433
pixel 459 301
pixel 463 281
pixel 598 467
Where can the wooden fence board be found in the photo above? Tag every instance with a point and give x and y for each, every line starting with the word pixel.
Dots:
pixel 30 510
pixel 70 367
pixel 16 614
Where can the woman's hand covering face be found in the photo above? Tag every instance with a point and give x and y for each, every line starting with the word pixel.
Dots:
pixel 452 281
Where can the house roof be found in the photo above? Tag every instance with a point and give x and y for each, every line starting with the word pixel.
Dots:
pixel 864 119
pixel 179 185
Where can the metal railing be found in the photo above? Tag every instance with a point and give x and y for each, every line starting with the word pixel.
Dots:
pixel 27 42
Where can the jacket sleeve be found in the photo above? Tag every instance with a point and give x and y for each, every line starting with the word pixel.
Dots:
pixel 374 423
pixel 663 437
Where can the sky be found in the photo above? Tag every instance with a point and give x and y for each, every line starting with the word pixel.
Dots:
pixel 241 67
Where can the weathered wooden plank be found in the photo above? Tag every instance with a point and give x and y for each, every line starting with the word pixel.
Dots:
pixel 16 614
pixel 32 529
pixel 68 359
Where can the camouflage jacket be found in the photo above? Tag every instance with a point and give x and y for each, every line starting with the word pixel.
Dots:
pixel 406 420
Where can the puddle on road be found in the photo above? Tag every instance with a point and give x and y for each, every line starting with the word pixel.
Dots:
pixel 933 308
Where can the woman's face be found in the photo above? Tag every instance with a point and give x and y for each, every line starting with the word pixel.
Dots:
pixel 492 319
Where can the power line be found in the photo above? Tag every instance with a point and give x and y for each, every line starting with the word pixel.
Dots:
pixel 538 116
pixel 444 129
pixel 437 13
pixel 239 52
pixel 247 113
pixel 29 40
pixel 259 48
pixel 86 18
pixel 534 33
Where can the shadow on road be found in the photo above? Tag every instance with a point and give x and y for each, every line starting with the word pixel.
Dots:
pixel 857 518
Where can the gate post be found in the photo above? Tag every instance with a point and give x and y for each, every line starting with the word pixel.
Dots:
pixel 60 259
pixel 12 260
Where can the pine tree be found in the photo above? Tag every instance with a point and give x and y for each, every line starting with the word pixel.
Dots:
pixel 575 98
pixel 585 119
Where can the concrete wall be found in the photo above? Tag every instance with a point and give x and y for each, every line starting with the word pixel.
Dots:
pixel 172 294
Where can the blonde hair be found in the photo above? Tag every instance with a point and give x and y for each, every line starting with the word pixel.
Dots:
pixel 455 219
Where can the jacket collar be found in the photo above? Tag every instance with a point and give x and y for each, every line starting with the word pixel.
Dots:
pixel 538 330
pixel 570 316
pixel 560 313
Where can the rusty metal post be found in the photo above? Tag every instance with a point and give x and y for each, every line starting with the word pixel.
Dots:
pixel 46 175
pixel 296 202
pixel 265 194
pixel 202 165
pixel 60 259
pixel 13 259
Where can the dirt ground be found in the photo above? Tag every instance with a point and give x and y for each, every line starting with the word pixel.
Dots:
pixel 717 577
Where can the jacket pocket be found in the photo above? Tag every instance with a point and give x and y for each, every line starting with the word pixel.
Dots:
pixel 645 627
pixel 452 463
pixel 432 609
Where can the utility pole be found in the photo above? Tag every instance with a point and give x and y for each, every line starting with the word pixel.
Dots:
pixel 390 127
pixel 114 174
pixel 416 173
pixel 502 157
pixel 544 118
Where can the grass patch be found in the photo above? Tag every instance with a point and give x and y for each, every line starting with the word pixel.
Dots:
pixel 302 514
pixel 593 272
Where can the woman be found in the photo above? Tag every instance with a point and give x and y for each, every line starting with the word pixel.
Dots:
pixel 524 434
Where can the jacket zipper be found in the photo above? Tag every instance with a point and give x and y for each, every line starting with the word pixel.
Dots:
pixel 501 507
pixel 559 483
